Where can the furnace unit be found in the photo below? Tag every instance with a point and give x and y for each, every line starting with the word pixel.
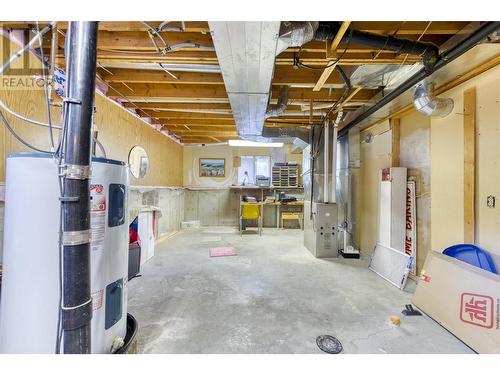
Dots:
pixel 321 230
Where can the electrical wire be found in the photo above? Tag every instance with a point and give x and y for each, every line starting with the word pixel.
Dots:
pixel 14 57
pixel 45 87
pixel 60 158
pixel 151 31
pixel 9 128
pixel 26 47
pixel 21 117
pixel 101 147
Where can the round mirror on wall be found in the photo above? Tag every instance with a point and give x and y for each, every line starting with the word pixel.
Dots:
pixel 138 162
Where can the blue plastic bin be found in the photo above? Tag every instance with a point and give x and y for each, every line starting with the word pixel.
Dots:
pixel 472 255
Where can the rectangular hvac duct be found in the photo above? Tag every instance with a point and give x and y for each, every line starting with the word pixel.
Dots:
pixel 246 52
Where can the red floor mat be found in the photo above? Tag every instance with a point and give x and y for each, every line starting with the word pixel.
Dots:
pixel 224 251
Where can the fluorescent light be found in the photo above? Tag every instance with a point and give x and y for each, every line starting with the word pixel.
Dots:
pixel 244 143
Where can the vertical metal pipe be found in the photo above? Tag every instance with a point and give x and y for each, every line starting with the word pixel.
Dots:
pixel 334 165
pixel 79 102
pixel 326 168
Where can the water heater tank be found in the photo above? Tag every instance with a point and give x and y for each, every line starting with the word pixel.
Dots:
pixel 30 298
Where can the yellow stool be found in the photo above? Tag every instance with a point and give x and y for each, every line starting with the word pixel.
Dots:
pixel 291 216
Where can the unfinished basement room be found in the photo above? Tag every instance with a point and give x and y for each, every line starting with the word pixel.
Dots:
pixel 250 187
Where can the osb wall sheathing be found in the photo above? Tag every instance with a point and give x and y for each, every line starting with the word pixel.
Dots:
pixel 447 167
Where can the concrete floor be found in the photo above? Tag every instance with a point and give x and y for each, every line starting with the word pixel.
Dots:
pixel 274 297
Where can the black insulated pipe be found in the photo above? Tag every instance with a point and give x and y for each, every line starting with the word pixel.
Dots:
pixel 446 57
pixel 428 51
pixel 79 102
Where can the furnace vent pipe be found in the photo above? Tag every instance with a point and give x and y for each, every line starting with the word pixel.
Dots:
pixel 334 156
pixel 427 104
pixel 76 306
pixel 326 154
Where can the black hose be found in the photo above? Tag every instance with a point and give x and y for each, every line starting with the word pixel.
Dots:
pixel 428 51
pixel 132 328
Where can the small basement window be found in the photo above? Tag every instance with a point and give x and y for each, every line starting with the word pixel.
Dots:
pixel 254 166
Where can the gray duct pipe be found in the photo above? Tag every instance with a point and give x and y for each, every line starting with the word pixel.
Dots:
pixel 279 108
pixel 295 34
pixel 286 132
pixel 79 103
pixel 427 104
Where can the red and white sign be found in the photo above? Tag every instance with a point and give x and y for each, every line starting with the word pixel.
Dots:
pixel 97 299
pixel 477 309
pixel 411 224
pixel 425 278
pixel 97 216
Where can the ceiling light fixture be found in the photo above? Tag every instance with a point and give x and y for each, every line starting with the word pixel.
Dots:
pixel 245 143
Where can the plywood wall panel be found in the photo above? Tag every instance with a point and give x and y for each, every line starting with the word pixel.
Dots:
pixel 118 130
pixel 374 156
pixel 447 168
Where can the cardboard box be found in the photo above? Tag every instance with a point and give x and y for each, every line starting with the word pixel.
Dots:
pixel 462 298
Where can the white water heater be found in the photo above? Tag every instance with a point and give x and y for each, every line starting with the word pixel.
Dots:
pixel 30 297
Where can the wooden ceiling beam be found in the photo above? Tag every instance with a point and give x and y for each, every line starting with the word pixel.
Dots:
pixel 200 57
pixel 332 51
pixel 179 106
pixel 136 40
pixel 191 26
pixel 332 47
pixel 183 115
pixel 174 128
pixel 204 122
pixel 386 27
pixel 164 90
pixel 158 76
pixel 283 75
pixel 189 132
pixel 189 106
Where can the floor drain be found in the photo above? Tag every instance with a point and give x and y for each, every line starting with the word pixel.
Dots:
pixel 329 344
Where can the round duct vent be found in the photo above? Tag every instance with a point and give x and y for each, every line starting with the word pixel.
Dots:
pixel 368 138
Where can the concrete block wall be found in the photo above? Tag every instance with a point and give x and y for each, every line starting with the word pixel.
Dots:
pixel 211 207
pixel 169 200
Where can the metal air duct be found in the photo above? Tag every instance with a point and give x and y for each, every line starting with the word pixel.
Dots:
pixel 445 58
pixel 279 108
pixel 295 34
pixel 246 52
pixel 427 104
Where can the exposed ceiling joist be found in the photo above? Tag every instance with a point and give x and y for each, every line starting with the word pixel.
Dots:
pixel 332 52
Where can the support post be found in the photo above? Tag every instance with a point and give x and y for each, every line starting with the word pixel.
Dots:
pixel 79 104
pixel 395 130
pixel 469 163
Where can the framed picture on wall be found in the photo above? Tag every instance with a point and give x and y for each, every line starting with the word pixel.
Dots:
pixel 212 167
